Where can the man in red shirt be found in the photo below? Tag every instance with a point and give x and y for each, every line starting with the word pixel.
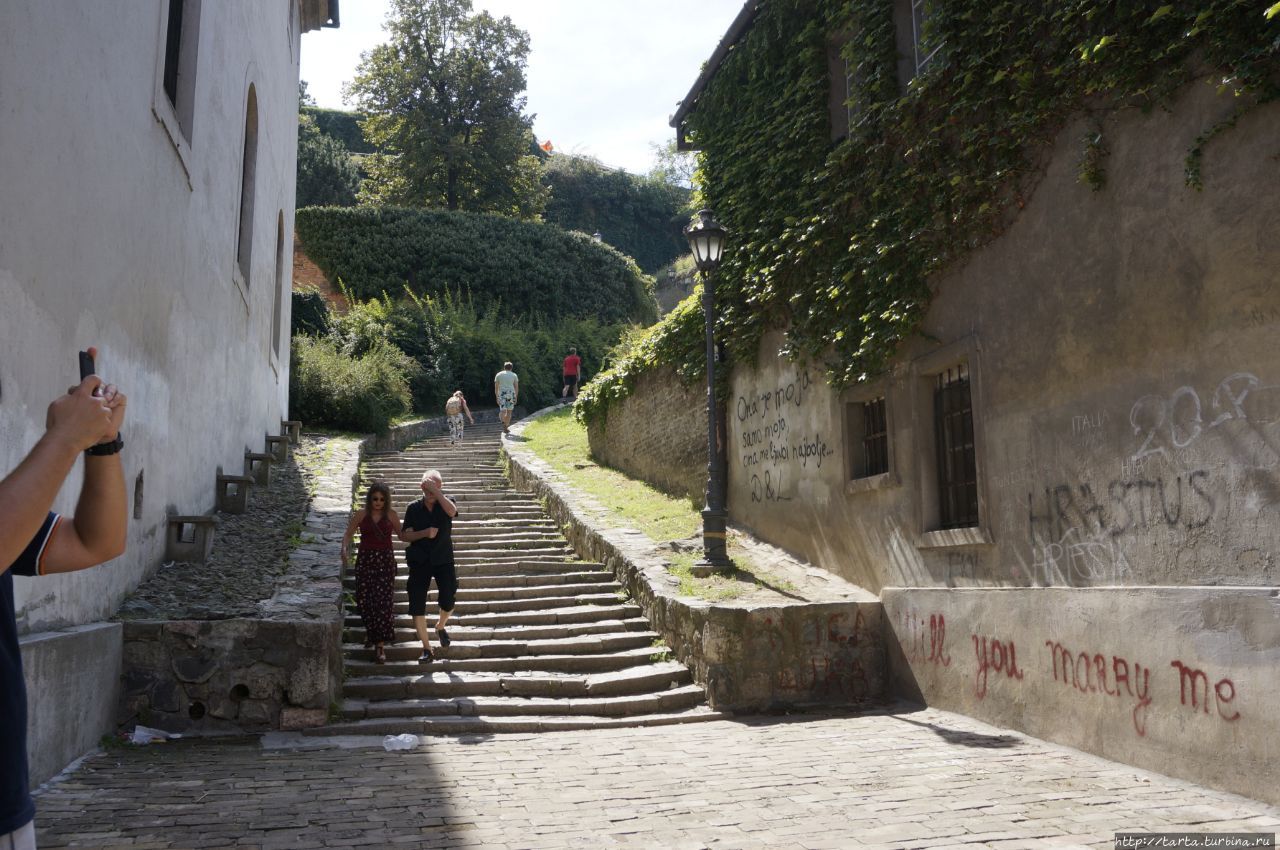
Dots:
pixel 572 368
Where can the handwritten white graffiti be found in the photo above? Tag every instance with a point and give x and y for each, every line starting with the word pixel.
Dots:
pixel 1174 423
pixel 1081 558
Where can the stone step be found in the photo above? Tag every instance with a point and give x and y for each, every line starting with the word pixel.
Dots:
pixel 489 594
pixel 438 682
pixel 355 635
pixel 540 617
pixel 467 725
pixel 673 699
pixel 405 663
pixel 466 647
pixel 470 608
pixel 518 583
pixel 498 574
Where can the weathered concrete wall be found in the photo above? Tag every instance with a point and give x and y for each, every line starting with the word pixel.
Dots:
pixel 1126 416
pixel 231 675
pixel 1179 680
pixel 119 235
pixel 658 433
pixel 748 657
pixel 1125 386
pixel 72 702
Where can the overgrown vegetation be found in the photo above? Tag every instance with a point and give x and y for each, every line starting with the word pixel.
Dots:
pixel 837 241
pixel 562 442
pixel 640 216
pixel 430 346
pixel 363 393
pixel 521 268
pixel 327 175
pixel 678 341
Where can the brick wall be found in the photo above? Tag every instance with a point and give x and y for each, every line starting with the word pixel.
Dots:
pixel 658 434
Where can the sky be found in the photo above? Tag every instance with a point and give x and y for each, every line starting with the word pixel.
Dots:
pixel 604 76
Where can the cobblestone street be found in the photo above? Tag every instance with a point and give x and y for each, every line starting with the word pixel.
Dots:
pixel 914 779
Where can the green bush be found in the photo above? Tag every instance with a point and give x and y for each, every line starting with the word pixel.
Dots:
pixel 640 216
pixel 310 313
pixel 361 393
pixel 454 345
pixel 677 342
pixel 343 126
pixel 519 268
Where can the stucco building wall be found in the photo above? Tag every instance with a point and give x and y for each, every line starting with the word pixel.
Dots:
pixel 1119 590
pixel 1125 388
pixel 113 236
pixel 121 226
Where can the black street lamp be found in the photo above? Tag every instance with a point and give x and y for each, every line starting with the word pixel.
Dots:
pixel 706 237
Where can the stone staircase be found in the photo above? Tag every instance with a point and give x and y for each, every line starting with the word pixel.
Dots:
pixel 541 641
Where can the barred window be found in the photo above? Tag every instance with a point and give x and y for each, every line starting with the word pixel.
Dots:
pixel 875 438
pixel 956 457
pixel 928 46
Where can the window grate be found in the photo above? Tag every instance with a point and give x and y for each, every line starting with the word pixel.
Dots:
pixel 921 36
pixel 875 437
pixel 956 460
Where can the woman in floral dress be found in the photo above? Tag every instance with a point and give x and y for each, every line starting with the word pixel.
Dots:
pixel 375 566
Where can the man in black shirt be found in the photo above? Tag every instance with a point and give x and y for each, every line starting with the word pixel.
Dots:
pixel 36 541
pixel 428 529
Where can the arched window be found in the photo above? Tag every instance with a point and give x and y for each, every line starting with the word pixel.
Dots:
pixel 282 280
pixel 244 238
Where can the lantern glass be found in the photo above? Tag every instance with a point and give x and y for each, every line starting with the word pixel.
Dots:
pixel 706 240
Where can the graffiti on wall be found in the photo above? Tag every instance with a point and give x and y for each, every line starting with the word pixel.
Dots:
pixel 774 451
pixel 1164 425
pixel 1085 530
pixel 829 655
pixel 1088 677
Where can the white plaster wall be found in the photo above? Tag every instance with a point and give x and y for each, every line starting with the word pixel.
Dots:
pixel 1126 389
pixel 104 240
pixel 1179 680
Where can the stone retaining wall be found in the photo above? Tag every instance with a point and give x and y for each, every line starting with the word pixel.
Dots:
pixel 748 657
pixel 657 434
pixel 279 670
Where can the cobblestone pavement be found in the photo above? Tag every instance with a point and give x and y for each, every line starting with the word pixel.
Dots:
pixel 912 779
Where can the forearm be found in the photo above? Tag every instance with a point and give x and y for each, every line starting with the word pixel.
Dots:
pixel 449 507
pixel 27 494
pixel 102 519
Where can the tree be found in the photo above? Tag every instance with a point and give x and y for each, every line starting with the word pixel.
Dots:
pixel 672 166
pixel 446 112
pixel 327 176
pixel 640 216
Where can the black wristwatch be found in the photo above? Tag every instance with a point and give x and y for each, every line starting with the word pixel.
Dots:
pixel 103 449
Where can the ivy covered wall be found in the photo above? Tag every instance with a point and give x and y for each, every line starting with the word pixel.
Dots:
pixel 837 241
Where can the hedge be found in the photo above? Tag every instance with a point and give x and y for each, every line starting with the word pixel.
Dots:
pixel 522 268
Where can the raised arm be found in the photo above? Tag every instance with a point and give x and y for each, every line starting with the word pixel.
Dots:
pixel 74 422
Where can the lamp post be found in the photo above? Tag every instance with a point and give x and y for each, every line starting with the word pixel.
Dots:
pixel 706 237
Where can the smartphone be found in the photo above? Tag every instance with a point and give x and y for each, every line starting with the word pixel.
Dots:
pixel 86 365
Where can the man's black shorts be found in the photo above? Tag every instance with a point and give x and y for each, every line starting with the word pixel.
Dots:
pixel 571 381
pixel 420 576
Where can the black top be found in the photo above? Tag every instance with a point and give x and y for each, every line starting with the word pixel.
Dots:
pixel 16 806
pixel 432 552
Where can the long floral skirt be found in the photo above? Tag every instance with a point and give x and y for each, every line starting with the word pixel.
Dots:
pixel 375 592
pixel 455 429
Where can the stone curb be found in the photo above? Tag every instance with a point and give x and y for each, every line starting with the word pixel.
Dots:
pixel 749 657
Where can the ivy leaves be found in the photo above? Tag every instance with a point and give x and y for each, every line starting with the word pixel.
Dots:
pixel 837 241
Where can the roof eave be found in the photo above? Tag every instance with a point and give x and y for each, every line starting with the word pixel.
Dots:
pixel 739 26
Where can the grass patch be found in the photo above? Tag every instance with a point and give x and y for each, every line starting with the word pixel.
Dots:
pixel 561 441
